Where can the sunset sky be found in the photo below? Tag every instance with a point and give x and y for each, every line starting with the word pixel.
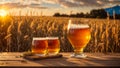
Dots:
pixel 49 7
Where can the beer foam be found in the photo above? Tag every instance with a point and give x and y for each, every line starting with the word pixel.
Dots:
pixel 52 37
pixel 39 38
pixel 74 26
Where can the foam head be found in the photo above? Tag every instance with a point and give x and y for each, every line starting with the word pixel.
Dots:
pixel 80 26
pixel 39 38
pixel 52 38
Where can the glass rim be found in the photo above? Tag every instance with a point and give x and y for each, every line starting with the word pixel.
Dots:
pixel 77 25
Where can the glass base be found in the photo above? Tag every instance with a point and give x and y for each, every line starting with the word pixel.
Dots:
pixel 78 55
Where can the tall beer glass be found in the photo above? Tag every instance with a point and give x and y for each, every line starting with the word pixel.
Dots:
pixel 78 35
pixel 39 46
pixel 53 45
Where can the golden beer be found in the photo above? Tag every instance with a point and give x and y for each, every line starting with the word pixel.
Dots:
pixel 79 36
pixel 39 46
pixel 53 45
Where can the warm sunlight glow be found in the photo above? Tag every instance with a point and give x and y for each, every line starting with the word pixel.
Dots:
pixel 3 12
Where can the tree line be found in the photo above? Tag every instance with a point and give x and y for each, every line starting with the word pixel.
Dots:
pixel 95 13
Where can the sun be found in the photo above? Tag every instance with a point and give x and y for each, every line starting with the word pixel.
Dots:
pixel 3 12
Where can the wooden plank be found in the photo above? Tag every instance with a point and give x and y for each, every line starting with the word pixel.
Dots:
pixel 36 57
pixel 93 59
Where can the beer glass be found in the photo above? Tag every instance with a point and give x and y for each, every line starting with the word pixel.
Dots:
pixel 78 35
pixel 39 46
pixel 53 45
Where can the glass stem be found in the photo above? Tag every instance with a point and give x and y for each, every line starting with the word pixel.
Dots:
pixel 79 52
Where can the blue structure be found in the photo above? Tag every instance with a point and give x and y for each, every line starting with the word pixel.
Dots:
pixel 111 10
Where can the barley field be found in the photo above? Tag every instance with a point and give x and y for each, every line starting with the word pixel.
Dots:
pixel 16 33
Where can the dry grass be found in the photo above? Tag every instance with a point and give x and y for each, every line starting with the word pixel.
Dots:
pixel 16 33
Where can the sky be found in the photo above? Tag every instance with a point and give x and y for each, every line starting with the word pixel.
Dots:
pixel 49 7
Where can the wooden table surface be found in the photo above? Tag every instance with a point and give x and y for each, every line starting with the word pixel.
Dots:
pixel 93 59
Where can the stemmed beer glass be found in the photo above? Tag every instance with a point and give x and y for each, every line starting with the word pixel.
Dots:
pixel 78 35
